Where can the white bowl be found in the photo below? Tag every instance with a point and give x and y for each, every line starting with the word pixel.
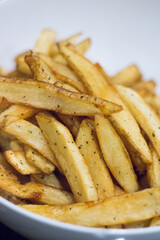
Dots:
pixel 123 32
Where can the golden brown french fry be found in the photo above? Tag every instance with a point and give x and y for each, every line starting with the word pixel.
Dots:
pixel 154 101
pixel 42 72
pixel 149 86
pixel 69 158
pixel 30 134
pixel 83 46
pixel 137 206
pixel 33 191
pixel 97 85
pixel 45 41
pixel 18 161
pixel 4 104
pixel 127 76
pixel 43 95
pixel 137 224
pixel 153 169
pixel 145 116
pixel 47 179
pixel 101 70
pixel 16 145
pixel 64 70
pixel 59 58
pixel 17 112
pixel 155 222
pixel 88 146
pixel 4 142
pixel 72 122
pixel 37 160
pixel 115 155
pixel 11 198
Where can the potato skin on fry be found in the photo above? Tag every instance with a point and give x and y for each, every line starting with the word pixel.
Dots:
pixel 68 157
pixel 47 96
pixel 128 208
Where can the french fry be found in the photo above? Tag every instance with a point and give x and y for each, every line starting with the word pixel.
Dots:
pixel 42 72
pixel 18 161
pixel 47 96
pixel 4 104
pixel 127 76
pixel 155 222
pixel 37 160
pixel 47 179
pixel 133 207
pixel 3 72
pixel 154 101
pixel 97 85
pixel 16 145
pixel 101 70
pixel 17 112
pixel 45 41
pixel 30 134
pixel 118 161
pixel 69 158
pixel 149 86
pixel 33 191
pixel 4 142
pixel 64 70
pixel 145 116
pixel 72 122
pixel 88 146
pixel 11 197
pixel 153 169
pixel 83 46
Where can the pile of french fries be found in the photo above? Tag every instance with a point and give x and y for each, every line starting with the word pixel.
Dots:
pixel 77 145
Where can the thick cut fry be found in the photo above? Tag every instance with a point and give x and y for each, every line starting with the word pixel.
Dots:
pixel 149 86
pixel 18 161
pixel 153 169
pixel 155 222
pixel 47 96
pixel 30 134
pixel 17 112
pixel 37 160
pixel 4 104
pixel 154 101
pixel 47 179
pixel 101 70
pixel 72 122
pixel 88 146
pixel 64 70
pixel 115 155
pixel 16 145
pixel 33 191
pixel 83 46
pixel 42 72
pixel 11 198
pixel 45 41
pixel 128 76
pixel 116 210
pixel 145 116
pixel 69 158
pixel 4 142
pixel 97 85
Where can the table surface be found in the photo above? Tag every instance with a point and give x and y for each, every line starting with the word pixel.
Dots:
pixel 9 234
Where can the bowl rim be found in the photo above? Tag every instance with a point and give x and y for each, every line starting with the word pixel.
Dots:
pixel 75 228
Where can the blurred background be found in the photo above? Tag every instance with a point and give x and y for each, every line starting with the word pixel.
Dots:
pixel 122 31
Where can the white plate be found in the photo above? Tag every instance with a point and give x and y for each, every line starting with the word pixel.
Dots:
pixel 123 32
